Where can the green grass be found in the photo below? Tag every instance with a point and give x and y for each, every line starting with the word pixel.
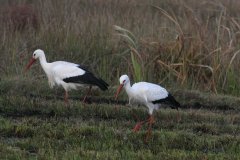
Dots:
pixel 37 125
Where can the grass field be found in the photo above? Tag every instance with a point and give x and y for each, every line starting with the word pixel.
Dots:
pixel 190 47
pixel 35 124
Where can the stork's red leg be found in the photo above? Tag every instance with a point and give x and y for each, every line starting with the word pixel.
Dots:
pixel 138 125
pixel 151 121
pixel 66 98
pixel 86 94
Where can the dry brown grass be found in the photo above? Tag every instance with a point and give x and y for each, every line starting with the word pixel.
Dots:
pixel 19 17
pixel 186 43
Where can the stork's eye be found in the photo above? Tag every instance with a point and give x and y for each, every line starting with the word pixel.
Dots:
pixel 34 55
pixel 124 81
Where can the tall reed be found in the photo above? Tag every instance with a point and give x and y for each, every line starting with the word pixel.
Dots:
pixel 182 43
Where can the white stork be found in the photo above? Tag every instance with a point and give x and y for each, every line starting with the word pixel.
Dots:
pixel 147 94
pixel 69 75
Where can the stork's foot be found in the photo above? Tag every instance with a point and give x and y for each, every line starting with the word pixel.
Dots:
pixel 138 125
pixel 136 128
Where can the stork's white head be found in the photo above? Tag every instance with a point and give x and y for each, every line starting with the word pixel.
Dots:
pixel 36 54
pixel 123 81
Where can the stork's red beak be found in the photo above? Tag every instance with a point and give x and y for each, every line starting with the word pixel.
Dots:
pixel 33 59
pixel 119 89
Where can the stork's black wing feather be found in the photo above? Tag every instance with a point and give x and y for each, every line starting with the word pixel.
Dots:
pixel 87 78
pixel 168 100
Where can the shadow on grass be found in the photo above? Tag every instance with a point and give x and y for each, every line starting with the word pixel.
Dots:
pixel 89 100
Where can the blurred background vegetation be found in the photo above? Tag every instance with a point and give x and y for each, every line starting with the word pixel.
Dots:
pixel 186 43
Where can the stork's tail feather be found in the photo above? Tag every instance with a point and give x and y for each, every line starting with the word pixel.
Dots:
pixel 88 78
pixel 168 100
pixel 101 84
pixel 94 80
pixel 173 102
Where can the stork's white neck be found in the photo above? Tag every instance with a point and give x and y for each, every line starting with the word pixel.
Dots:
pixel 47 67
pixel 42 59
pixel 128 89
pixel 44 63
